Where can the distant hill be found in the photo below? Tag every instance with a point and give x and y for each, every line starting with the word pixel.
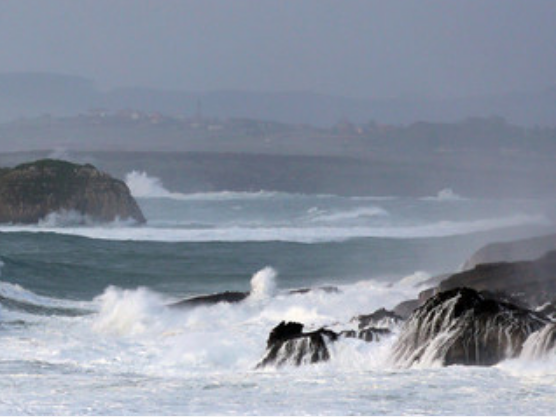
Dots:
pixel 35 94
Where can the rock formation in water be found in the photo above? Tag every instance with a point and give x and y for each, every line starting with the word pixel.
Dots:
pixel 210 299
pixel 381 318
pixel 30 192
pixel 288 344
pixel 237 296
pixel 465 327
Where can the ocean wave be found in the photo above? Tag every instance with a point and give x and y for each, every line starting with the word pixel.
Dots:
pixel 323 216
pixel 24 303
pixel 286 234
pixel 143 185
pixel 71 218
pixel 446 194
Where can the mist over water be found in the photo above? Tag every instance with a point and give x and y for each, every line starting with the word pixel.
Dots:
pixel 310 162
pixel 85 307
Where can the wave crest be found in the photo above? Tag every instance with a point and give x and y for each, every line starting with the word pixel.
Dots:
pixel 142 185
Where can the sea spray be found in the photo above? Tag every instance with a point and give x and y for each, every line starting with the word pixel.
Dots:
pixel 263 283
pixel 541 343
pixel 142 185
pixel 127 312
pixel 415 280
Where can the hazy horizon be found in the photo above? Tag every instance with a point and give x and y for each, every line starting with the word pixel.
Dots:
pixel 356 49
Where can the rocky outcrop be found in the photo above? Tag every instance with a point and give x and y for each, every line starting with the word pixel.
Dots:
pixel 30 192
pixel 237 296
pixel 519 250
pixel 381 318
pixel 465 327
pixel 288 344
pixel 529 283
pixel 210 299
pixel 369 334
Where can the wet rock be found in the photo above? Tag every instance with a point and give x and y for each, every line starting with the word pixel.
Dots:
pixel 463 326
pixel 211 299
pixel 381 318
pixel 330 289
pixel 288 344
pixel 370 334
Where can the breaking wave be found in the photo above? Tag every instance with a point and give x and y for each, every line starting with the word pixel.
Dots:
pixel 322 216
pixel 446 194
pixel 142 185
pixel 280 233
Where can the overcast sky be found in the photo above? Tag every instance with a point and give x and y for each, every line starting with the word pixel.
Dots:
pixel 353 48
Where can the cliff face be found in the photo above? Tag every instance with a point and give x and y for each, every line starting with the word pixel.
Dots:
pixel 29 192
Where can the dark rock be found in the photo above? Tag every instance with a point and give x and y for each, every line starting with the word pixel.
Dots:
pixel 227 297
pixel 381 318
pixel 370 334
pixel 288 344
pixel 29 192
pixel 463 326
pixel 530 283
pixel 284 331
pixel 519 250
pixel 327 289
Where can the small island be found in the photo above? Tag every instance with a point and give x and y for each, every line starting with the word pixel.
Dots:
pixel 31 191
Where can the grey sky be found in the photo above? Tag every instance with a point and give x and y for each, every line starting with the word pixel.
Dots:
pixel 352 48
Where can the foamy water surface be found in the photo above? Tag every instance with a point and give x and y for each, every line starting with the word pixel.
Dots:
pixel 117 347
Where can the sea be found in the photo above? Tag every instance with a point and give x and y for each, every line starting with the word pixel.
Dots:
pixel 87 325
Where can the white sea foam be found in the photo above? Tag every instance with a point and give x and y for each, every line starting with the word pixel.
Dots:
pixel 18 293
pixel 141 185
pixel 283 233
pixel 127 312
pixel 65 218
pixel 358 213
pixel 137 356
pixel 72 218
